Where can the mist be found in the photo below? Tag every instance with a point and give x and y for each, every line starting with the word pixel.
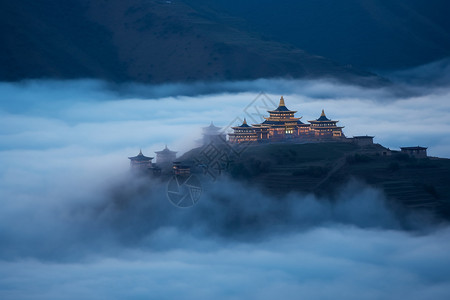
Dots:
pixel 75 223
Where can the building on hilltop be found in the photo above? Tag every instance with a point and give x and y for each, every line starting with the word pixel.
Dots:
pixel 417 152
pixel 282 125
pixel 325 128
pixel 140 161
pixel 213 134
pixel 243 134
pixel 363 140
pixel 165 156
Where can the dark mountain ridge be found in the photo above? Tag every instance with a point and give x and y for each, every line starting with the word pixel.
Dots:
pixel 146 41
pixel 369 34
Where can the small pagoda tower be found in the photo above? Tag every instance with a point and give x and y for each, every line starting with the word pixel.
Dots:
pixel 243 134
pixel 325 128
pixel 213 133
pixel 281 124
pixel 165 156
pixel 140 161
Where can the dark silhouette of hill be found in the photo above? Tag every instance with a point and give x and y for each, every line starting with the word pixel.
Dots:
pixel 146 41
pixel 323 168
pixel 371 34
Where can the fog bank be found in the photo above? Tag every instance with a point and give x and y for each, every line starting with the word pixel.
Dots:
pixel 76 224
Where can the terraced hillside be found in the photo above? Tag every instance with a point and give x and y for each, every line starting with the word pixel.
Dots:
pixel 322 168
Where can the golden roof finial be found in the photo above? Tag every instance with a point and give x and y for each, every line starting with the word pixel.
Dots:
pixel 245 121
pixel 323 113
pixel 281 101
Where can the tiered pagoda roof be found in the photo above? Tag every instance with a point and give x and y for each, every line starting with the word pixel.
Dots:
pixel 166 151
pixel 282 115
pixel 140 157
pixel 211 128
pixel 282 107
pixel 322 119
pixel 244 125
pixel 243 133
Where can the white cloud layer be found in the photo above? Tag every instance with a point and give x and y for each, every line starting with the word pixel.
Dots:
pixel 324 263
pixel 73 225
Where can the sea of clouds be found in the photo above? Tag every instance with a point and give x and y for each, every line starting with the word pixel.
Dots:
pixel 75 224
